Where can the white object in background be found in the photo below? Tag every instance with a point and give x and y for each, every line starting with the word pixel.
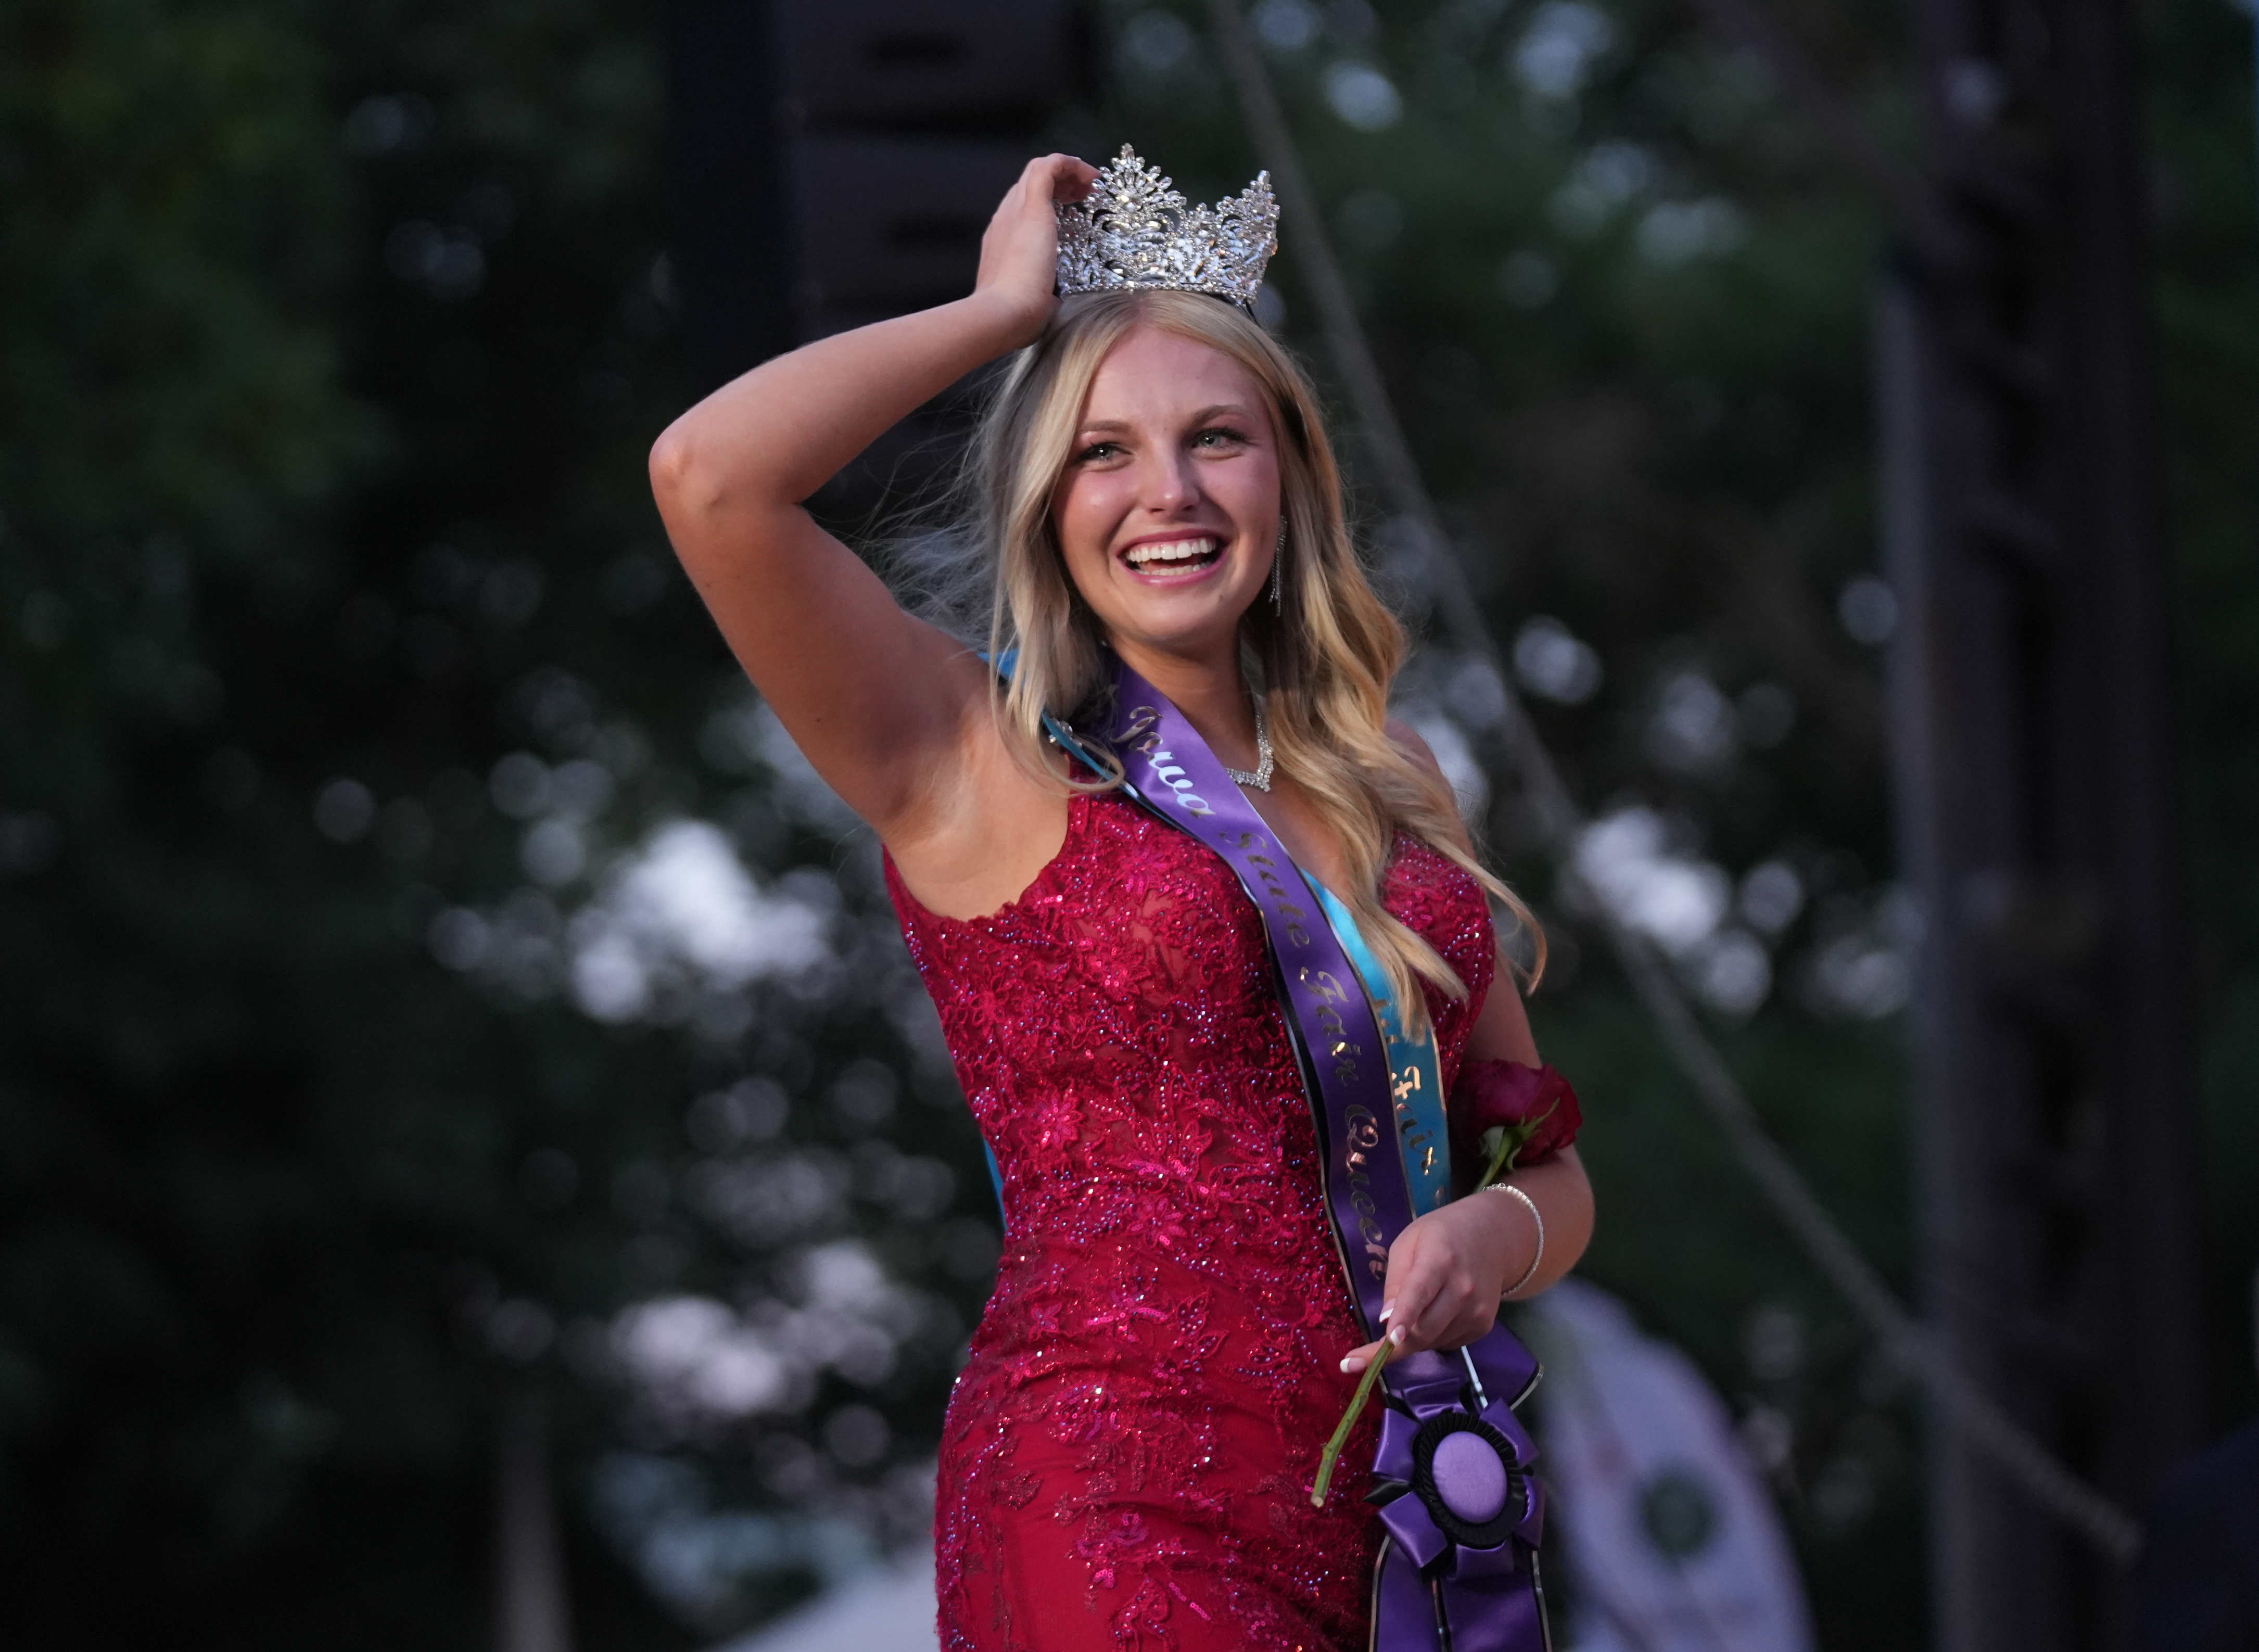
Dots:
pixel 887 1609
pixel 1671 1534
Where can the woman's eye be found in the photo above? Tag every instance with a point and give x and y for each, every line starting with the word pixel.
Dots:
pixel 1219 435
pixel 1097 451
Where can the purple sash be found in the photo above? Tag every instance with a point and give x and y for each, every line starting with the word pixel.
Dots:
pixel 1458 1569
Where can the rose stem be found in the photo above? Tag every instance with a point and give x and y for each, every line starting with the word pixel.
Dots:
pixel 1349 1420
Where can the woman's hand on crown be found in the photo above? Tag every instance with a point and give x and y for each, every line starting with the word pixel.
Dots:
pixel 1019 252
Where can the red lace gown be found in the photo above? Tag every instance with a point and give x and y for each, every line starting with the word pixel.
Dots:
pixel 1128 1455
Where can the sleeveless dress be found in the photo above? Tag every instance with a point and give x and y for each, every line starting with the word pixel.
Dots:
pixel 1127 1454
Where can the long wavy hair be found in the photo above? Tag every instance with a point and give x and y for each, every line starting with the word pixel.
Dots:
pixel 1324 662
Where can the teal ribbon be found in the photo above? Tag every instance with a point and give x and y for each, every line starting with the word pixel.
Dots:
pixel 996 1174
pixel 1414 1078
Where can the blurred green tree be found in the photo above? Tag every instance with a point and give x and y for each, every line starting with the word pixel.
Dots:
pixel 368 1043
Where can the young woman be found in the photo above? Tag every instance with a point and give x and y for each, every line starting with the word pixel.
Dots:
pixel 1128 1455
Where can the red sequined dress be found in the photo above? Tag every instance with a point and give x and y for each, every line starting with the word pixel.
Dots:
pixel 1128 1455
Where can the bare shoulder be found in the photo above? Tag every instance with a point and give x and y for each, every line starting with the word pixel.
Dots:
pixel 979 843
pixel 1407 739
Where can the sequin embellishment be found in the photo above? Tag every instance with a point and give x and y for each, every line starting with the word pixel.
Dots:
pixel 1127 1454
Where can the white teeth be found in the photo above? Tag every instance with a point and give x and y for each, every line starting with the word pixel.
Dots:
pixel 1174 550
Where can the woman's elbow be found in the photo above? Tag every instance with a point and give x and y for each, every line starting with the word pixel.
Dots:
pixel 1582 1215
pixel 699 476
pixel 1567 1195
pixel 677 475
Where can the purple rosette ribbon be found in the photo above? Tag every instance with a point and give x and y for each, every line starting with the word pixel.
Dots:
pixel 1463 1515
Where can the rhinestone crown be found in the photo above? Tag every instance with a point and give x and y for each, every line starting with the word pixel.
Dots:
pixel 1134 231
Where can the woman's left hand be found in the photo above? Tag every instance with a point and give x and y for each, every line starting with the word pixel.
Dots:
pixel 1446 1272
pixel 1019 250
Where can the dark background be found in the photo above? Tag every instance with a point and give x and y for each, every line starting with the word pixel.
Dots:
pixel 346 681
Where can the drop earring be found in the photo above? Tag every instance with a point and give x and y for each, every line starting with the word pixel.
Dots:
pixel 1278 557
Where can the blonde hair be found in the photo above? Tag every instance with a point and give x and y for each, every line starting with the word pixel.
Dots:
pixel 1324 663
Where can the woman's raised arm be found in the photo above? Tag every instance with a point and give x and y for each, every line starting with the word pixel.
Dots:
pixel 877 699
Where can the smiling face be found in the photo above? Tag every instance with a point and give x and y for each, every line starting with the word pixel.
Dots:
pixel 1168 511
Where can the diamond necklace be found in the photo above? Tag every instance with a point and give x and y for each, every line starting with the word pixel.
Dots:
pixel 1261 779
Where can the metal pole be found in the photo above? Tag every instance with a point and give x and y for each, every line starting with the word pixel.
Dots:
pixel 2032 740
pixel 533 1613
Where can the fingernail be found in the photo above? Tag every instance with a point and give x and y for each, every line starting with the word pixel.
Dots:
pixel 1397 1337
pixel 1385 1311
pixel 1352 1364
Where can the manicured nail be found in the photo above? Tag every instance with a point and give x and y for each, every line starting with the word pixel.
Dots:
pixel 1397 1337
pixel 1387 1309
pixel 1352 1364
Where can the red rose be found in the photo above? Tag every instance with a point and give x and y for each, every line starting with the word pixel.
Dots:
pixel 1534 1103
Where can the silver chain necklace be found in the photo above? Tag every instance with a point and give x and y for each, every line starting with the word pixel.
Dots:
pixel 1261 779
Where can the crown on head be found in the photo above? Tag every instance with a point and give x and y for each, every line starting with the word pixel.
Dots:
pixel 1134 231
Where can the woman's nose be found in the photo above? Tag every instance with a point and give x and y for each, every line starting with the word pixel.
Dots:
pixel 1169 483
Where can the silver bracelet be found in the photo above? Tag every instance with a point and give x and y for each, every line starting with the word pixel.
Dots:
pixel 1537 1260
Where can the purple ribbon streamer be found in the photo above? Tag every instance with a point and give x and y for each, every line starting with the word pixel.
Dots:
pixel 1428 1591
